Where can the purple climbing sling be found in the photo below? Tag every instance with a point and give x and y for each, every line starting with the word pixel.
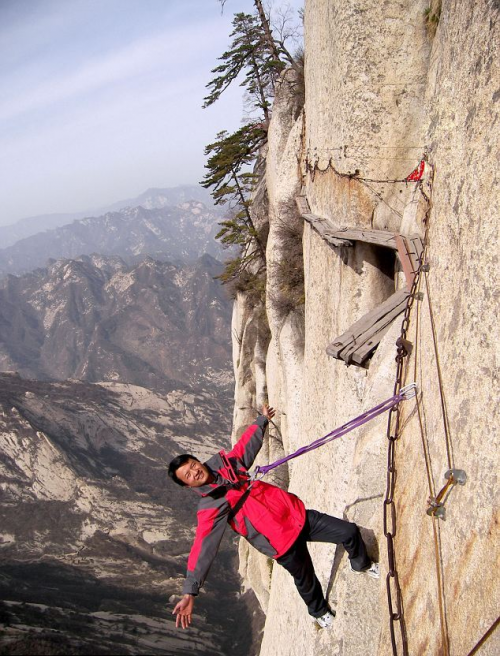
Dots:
pixel 405 393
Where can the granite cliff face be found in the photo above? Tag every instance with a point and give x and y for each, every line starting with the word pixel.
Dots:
pixel 383 91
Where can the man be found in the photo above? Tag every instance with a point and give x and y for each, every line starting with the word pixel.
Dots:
pixel 274 521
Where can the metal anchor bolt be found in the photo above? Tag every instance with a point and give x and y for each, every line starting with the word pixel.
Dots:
pixel 436 504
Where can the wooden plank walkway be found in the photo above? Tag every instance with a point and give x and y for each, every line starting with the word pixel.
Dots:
pixel 377 237
pixel 344 236
pixel 356 344
pixel 322 226
pixel 360 340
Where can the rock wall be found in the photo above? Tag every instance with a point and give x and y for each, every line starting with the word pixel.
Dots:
pixel 382 91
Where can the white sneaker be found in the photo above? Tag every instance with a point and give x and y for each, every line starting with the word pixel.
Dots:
pixel 373 570
pixel 326 620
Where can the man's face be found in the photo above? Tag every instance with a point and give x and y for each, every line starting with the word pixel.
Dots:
pixel 193 473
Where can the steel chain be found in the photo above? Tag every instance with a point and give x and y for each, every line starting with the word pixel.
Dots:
pixel 396 614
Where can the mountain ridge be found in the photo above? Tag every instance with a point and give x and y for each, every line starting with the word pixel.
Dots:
pixel 184 233
pixel 96 319
pixel 154 197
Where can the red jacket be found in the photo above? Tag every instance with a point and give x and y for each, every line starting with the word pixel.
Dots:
pixel 269 518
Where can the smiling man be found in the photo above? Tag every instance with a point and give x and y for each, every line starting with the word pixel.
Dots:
pixel 274 521
pixel 193 473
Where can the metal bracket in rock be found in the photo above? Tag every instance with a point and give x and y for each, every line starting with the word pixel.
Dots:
pixel 436 504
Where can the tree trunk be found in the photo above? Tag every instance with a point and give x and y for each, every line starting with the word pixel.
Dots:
pixel 249 216
pixel 267 30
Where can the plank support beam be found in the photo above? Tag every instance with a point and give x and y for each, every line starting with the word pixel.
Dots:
pixel 362 338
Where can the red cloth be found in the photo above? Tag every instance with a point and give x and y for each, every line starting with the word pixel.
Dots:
pixel 417 174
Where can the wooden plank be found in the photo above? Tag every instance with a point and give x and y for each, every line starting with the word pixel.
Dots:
pixel 361 234
pixel 371 337
pixel 320 227
pixel 361 354
pixel 370 340
pixel 302 205
pixel 361 325
pixel 405 260
pixel 409 248
pixel 312 219
pixel 378 237
pixel 315 220
pixel 338 345
pixel 356 344
pixel 325 230
pixel 336 242
pixel 366 327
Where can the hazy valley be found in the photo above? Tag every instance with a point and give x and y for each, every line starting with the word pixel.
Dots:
pixel 116 351
pixel 182 232
pixel 153 198
pixel 96 319
pixel 93 536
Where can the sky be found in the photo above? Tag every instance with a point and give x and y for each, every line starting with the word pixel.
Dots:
pixel 102 99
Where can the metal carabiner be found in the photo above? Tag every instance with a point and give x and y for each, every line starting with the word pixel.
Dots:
pixel 408 392
pixel 256 475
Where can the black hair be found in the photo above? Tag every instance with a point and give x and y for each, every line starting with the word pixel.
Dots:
pixel 178 462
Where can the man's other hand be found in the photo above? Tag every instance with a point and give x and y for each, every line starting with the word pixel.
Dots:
pixel 184 610
pixel 267 411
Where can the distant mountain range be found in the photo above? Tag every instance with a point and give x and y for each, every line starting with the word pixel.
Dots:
pixel 184 233
pixel 94 536
pixel 154 198
pixel 154 324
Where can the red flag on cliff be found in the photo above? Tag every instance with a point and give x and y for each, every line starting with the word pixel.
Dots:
pixel 417 174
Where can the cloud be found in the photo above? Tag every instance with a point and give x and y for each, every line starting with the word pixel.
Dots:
pixel 99 99
pixel 25 30
pixel 77 140
pixel 172 51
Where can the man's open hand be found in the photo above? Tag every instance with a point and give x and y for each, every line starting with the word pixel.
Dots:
pixel 267 411
pixel 184 610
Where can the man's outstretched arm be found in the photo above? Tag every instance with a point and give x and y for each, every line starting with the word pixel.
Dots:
pixel 184 611
pixel 250 443
pixel 212 522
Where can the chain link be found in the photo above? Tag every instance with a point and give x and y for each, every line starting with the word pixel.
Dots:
pixel 394 595
pixel 393 431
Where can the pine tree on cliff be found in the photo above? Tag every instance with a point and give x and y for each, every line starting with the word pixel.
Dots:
pixel 253 53
pixel 276 46
pixel 228 156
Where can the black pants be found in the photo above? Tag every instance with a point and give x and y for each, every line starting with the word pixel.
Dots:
pixel 297 560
